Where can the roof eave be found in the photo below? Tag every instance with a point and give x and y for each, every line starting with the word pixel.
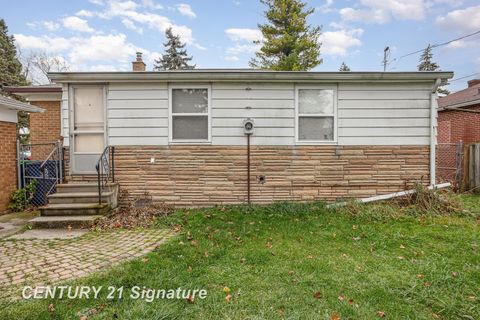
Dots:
pixel 253 76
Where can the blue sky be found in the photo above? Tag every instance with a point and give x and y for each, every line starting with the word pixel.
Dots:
pixel 104 34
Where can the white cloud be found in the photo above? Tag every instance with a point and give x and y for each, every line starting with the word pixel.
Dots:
pixel 97 2
pixel 232 58
pixel 186 10
pixel 49 25
pixel 151 5
pixel 45 43
pixel 85 13
pixel 128 10
pixel 130 25
pixel 239 34
pixel 83 51
pixel 326 7
pixel 77 24
pixel 381 11
pixel 243 39
pixel 337 43
pixel 463 20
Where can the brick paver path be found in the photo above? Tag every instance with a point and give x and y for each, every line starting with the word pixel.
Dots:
pixel 40 262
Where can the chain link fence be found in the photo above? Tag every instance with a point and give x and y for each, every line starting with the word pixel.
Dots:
pixel 450 163
pixel 40 168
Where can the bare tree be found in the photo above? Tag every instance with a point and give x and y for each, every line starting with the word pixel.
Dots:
pixel 37 64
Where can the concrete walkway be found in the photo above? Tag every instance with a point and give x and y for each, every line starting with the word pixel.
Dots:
pixel 39 262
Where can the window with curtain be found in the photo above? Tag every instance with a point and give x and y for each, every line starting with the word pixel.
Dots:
pixel 190 114
pixel 316 115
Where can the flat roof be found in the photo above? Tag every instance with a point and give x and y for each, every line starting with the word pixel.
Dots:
pixel 34 89
pixel 18 105
pixel 232 75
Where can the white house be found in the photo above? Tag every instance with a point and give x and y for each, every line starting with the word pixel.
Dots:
pixel 179 135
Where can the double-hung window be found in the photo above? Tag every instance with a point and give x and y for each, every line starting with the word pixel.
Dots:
pixel 316 111
pixel 190 114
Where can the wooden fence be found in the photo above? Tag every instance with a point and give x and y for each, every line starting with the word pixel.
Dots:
pixel 472 166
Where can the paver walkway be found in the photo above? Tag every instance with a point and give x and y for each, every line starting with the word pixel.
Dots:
pixel 40 262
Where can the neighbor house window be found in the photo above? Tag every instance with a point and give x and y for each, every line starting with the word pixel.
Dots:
pixel 190 114
pixel 316 115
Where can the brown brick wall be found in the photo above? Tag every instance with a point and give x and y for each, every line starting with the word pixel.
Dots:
pixel 45 126
pixel 209 175
pixel 8 166
pixel 454 126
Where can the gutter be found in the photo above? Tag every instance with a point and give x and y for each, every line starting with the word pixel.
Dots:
pixel 199 75
pixel 433 125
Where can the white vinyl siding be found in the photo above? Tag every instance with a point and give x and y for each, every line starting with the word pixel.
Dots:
pixel 384 114
pixel 271 105
pixel 64 118
pixel 367 113
pixel 137 114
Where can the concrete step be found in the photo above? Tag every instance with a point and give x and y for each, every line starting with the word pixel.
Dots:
pixel 77 187
pixel 79 197
pixel 73 209
pixel 75 222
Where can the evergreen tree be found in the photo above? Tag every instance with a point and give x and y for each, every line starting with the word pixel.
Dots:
pixel 344 67
pixel 289 43
pixel 175 56
pixel 11 72
pixel 426 63
pixel 10 66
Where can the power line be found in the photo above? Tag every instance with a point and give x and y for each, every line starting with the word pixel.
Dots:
pixel 470 75
pixel 437 45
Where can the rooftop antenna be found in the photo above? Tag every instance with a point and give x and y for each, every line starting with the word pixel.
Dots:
pixel 386 56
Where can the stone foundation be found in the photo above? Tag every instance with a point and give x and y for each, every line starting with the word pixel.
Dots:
pixel 192 176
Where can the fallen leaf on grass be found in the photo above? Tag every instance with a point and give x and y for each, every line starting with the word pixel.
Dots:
pixel 190 299
pixel 454 274
pixel 206 254
pixel 341 298
pixel 228 298
pixel 242 260
pixel 354 227
pixel 471 298
pixel 381 314
pixel 401 258
pixel 51 307
pixel 419 276
pixel 290 273
pixel 189 269
pixel 269 245
pixel 427 284
pixel 317 295
pixel 226 289
pixel 435 316
pixel 402 246
pixel 350 301
pixel 309 256
pixel 335 316
pixel 193 243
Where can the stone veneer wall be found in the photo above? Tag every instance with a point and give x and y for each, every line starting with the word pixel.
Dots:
pixel 210 175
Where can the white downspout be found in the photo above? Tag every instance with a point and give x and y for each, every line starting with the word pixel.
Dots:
pixel 433 125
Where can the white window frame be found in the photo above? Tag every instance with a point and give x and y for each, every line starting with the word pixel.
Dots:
pixel 316 115
pixel 171 114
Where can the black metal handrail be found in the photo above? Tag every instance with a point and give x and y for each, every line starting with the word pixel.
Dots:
pixel 105 170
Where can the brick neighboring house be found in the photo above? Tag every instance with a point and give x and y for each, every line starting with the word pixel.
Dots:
pixel 8 146
pixel 458 120
pixel 44 127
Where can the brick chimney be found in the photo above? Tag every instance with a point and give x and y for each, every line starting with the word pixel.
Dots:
pixel 138 64
pixel 473 82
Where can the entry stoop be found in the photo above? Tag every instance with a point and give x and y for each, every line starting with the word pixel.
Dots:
pixel 76 205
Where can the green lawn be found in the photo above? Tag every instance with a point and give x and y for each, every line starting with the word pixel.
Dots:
pixel 296 261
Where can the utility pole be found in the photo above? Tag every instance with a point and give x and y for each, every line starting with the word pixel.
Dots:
pixel 386 56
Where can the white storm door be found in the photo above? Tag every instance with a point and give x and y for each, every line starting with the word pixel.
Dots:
pixel 88 130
